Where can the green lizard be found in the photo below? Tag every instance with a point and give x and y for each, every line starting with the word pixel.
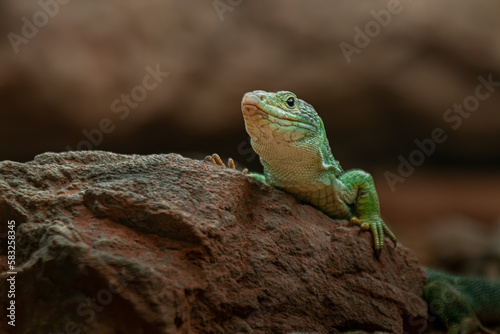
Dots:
pixel 290 139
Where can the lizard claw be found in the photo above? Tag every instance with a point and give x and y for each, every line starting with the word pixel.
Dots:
pixel 215 159
pixel 230 163
pixel 363 226
pixel 379 230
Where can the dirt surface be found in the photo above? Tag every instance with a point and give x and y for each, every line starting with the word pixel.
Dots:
pixel 111 243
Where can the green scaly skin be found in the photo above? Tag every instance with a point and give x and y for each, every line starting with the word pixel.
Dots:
pixel 463 302
pixel 290 139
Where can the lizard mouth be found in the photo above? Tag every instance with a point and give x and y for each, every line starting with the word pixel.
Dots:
pixel 254 109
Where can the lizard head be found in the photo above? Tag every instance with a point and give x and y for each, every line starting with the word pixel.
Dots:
pixel 282 124
pixel 280 116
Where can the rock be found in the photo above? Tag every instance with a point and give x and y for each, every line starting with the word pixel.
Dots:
pixel 109 243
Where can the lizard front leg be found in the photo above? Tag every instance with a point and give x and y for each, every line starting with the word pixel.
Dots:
pixel 357 187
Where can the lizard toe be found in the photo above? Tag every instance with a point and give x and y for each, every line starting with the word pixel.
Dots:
pixel 230 163
pixel 391 235
pixel 215 159
pixel 378 229
pixel 218 160
pixel 209 158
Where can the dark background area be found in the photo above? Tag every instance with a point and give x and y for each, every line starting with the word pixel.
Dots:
pixel 64 66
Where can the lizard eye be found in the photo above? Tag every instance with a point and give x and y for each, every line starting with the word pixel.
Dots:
pixel 291 102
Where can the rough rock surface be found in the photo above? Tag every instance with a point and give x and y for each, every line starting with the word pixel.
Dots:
pixel 110 243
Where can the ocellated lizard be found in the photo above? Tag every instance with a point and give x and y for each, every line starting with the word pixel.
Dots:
pixel 289 136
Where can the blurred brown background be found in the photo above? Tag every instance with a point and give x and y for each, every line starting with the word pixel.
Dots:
pixel 93 75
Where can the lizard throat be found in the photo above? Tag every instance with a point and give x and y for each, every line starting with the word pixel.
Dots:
pixel 272 124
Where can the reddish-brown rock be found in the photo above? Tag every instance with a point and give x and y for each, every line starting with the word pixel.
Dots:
pixel 110 243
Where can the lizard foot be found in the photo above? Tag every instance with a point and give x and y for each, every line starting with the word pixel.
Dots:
pixel 215 158
pixel 470 325
pixel 379 230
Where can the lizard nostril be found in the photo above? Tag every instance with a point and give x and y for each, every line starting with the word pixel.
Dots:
pixel 260 94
